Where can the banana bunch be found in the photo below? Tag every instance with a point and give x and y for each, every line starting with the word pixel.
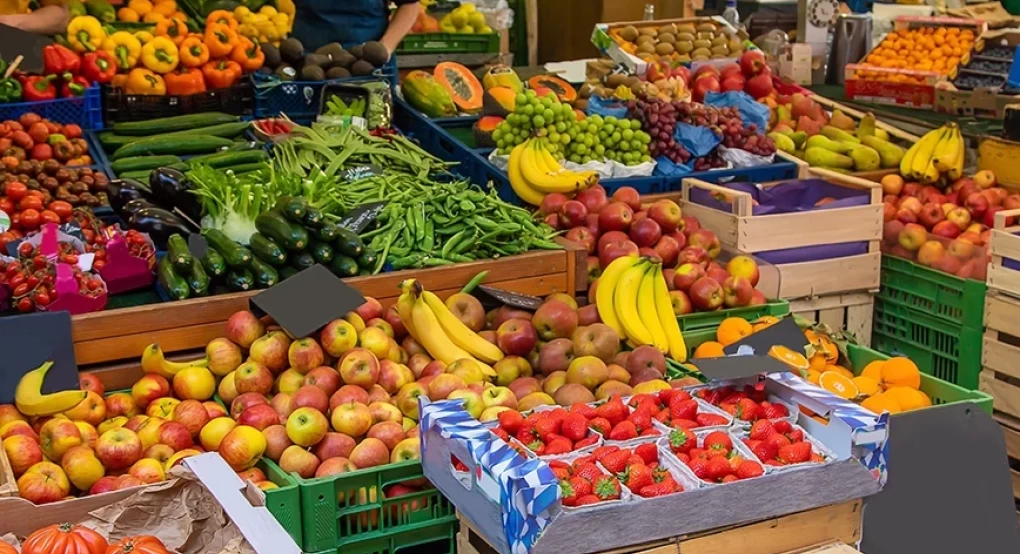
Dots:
pixel 153 361
pixel 939 153
pixel 633 299
pixel 435 327
pixel 30 400
pixel 533 173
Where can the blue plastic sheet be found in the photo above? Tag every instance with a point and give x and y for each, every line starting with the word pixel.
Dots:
pixel 699 141
pixel 665 167
pixel 606 108
pixel 751 111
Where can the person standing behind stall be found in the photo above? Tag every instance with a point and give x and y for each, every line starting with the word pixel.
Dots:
pixel 49 19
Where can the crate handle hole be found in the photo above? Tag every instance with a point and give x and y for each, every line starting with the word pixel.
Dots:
pixel 321 497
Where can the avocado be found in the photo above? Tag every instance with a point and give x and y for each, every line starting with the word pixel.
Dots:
pixel 375 53
pixel 317 60
pixel 292 51
pixel 286 73
pixel 362 68
pixel 338 73
pixel 272 53
pixel 265 70
pixel 356 51
pixel 331 50
pixel 312 73
pixel 343 59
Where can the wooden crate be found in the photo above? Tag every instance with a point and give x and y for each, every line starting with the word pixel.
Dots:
pixel 1000 353
pixel 853 312
pixel 1004 245
pixel 113 336
pixel 840 523
pixel 1011 430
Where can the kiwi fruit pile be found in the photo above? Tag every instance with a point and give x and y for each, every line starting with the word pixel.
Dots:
pixel 681 42
pixel 290 62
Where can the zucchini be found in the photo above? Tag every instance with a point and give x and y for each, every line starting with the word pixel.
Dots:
pixel 286 233
pixel 344 266
pixel 178 146
pixel 178 253
pixel 234 254
pixel 322 252
pixel 240 279
pixel 326 232
pixel 265 275
pixel 348 243
pixel 139 163
pixel 286 272
pixel 223 130
pixel 292 208
pixel 198 279
pixel 266 250
pixel 142 175
pixel 112 141
pixel 173 123
pixel 302 261
pixel 174 285
pixel 230 158
pixel 368 259
pixel 214 264
pixel 313 217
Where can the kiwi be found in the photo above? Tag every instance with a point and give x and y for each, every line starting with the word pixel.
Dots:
pixel 667 37
pixel 343 59
pixel 631 82
pixel 338 73
pixel 585 90
pixel 615 79
pixel 686 28
pixel 629 33
pixel 313 73
pixel 285 73
pixel 701 52
pixel 668 29
pixel 706 27
pixel 272 53
pixel 357 51
pixel 292 51
pixel 664 49
pixel 720 51
pixel 318 60
pixel 645 38
pixel 646 48
pixel 684 47
pixel 649 31
pixel 375 53
pixel 362 68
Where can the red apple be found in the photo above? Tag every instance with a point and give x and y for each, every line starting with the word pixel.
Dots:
pixel 706 294
pixel 616 216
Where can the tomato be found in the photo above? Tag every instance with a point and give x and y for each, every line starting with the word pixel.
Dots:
pixel 5 239
pixel 40 262
pixel 38 193
pixel 71 259
pixel 25 249
pixel 16 279
pixel 16 220
pixel 30 219
pixel 30 203
pixel 100 254
pixel 6 205
pixel 25 305
pixel 98 265
pixel 13 269
pixel 49 217
pixel 95 284
pixel 32 281
pixel 27 119
pixel 15 191
pixel 61 208
pixel 21 290
pixel 72 131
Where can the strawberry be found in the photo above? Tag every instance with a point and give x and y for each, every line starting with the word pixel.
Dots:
pixel 710 420
pixel 588 412
pixel 662 416
pixel 614 410
pixel 568 495
pixel 729 478
pixel 561 473
pixel 457 464
pixel 588 499
pixel 559 463
pixel 649 432
pixel 777 463
pixel 501 433
pixel 559 445
pixel 761 430
pixel 677 395
pixel 601 452
pixel 734 397
pixel 537 446
pixel 637 476
pixel 511 421
pixel 574 427
pixel 581 486
pixel 683 457
pixel 682 441
pixel 765 450
pixel 700 467
pixel 607 487
pixel 716 453
pixel 557 414
pixel 777 441
pixel 782 427
pixel 648 404
pixel 718 468
pixel 657 489
pixel 683 409
pixel 547 426
pixel 587 441
pixel 735 461
pixel 641 419
pixel 525 435
pixel 588 472
pixel 772 411
pixel 795 453
pixel 748 409
pixel 796 435
pixel 718 440
pixel 635 460
pixel 578 462
pixel 601 425
pixel 731 409
pixel 617 461
pixel 666 396
pixel 625 430
pixel 749 470
pixel 698 453
pixel 817 458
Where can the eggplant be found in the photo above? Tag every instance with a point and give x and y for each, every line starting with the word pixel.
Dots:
pixel 159 224
pixel 133 206
pixel 122 191
pixel 171 189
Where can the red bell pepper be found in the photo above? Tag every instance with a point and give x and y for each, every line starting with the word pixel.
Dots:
pixel 99 66
pixel 75 87
pixel 38 88
pixel 58 60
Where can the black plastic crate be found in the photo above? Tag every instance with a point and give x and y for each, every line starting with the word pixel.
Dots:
pixel 119 107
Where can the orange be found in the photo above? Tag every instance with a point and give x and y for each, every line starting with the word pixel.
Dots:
pixel 907 398
pixel 710 349
pixel 874 371
pixel 840 370
pixel 795 360
pixel 817 362
pixel 892 180
pixel 838 384
pixel 867 386
pixel 733 329
pixel 901 372
pixel 881 403
pixel 812 376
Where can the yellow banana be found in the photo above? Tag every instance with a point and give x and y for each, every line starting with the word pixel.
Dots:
pixel 460 334
pixel 153 361
pixel 926 149
pixel 432 336
pixel 915 155
pixel 404 305
pixel 667 318
pixel 646 308
pixel 30 400
pixel 907 161
pixel 607 286
pixel 564 182
pixel 546 159
pixel 956 170
pixel 517 181
pixel 625 301
pixel 948 149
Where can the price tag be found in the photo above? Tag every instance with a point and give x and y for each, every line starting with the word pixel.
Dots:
pixel 358 219
pixel 360 172
pixel 307 301
pixel 197 245
pixel 29 340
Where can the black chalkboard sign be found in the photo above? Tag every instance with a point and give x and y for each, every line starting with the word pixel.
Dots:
pixel 510 298
pixel 28 341
pixel 358 219
pixel 307 301
pixel 197 245
pixel 15 42
pixel 360 172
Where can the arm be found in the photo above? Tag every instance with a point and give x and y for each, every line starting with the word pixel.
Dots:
pixel 48 20
pixel 400 24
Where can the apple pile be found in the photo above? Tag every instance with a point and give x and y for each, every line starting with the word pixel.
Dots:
pixel 751 74
pixel 945 229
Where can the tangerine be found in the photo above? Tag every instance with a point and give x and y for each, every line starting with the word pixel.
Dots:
pixel 881 403
pixel 710 349
pixel 874 371
pixel 901 372
pixel 733 329
pixel 795 360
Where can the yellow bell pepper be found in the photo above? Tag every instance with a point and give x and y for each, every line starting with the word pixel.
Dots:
pixel 160 55
pixel 85 34
pixel 143 81
pixel 144 37
pixel 125 47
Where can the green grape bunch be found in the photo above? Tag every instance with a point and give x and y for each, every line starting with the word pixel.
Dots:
pixel 536 117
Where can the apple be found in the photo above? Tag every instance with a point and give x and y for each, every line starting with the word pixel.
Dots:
pixel 245 401
pixel 227 389
pixel 524 386
pixel 196 383
pixel 45 482
pixel 510 368
pixel 645 233
pixel 960 216
pixel 376 341
pixel 588 371
pixel 159 452
pixel 407 399
pixel 946 229
pixel 213 432
pixel 148 388
pixel 176 435
pixel 351 419
pixel 338 337
pixel 89 434
pixel 86 382
pixel 517 337
pixel 253 377
pixel 324 378
pixel 276 441
pixel 289 381
pixel 91 410
pixel 304 355
pixel 930 252
pixel 106 484
pixel 913 236
pixel 192 414
pixel 405 450
pixel 985 179
pixel 306 426
pixel 148 431
pixel 583 237
pixel 693 255
pixel 977 205
pixel 359 367
pixel 300 461
pixel 473 403
pixel 112 423
pixel 119 449
pixel 553 382
pixel 389 432
pixel 468 310
pixel 552 202
pixel 57 436
pixel 224 356
pixel 393 376
pixel 310 396
pixel 121 404
pixel 14 428
pixel 534 400
pixel 599 340
pixel 381 324
pixel 384 411
pixel 707 240
pixel 243 328
pixel 260 416
pixel 667 214
pixel 242 447
pixel 370 452
pixel 147 470
pixel 617 249
pixel 737 292
pixel 616 216
pixel 22 452
pixel 174 460
pixel 271 351
pixel 135 423
pixel 706 294
pixel 334 466
pixel 685 276
pixel 506 313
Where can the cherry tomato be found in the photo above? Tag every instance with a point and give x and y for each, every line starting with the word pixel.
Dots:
pixel 100 254
pixel 16 220
pixel 25 305
pixel 36 193
pixel 21 290
pixel 15 191
pixel 25 249
pixel 61 208
pixel 30 219
pixel 16 279
pixel 13 269
pixel 40 262
pixel 95 284
pixel 48 216
pixel 5 239
pixel 98 265
pixel 30 203
pixel 42 298
pixel 6 205
pixel 32 281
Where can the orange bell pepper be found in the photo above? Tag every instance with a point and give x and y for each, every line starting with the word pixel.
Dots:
pixel 185 82
pixel 119 80
pixel 222 16
pixel 173 29
pixel 248 54
pixel 220 39
pixel 221 73
pixel 193 52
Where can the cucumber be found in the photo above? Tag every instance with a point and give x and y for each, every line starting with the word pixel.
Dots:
pixel 313 217
pixel 348 243
pixel 140 163
pixel 322 252
pixel 286 272
pixel 327 232
pixel 177 146
pixel 287 234
pixel 112 141
pixel 266 250
pixel 142 176
pixel 302 261
pixel 198 280
pixel 173 123
pixel 344 266
pixel 292 208
pixel 368 259
pixel 174 285
pixel 265 275
pixel 234 254
pixel 214 264
pixel 223 130
pixel 182 166
pixel 230 158
pixel 178 253
pixel 240 279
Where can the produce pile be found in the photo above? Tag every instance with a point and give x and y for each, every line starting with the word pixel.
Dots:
pixel 66 74
pixel 290 62
pixel 929 48
pixel 464 19
pixel 679 43
pixel 66 537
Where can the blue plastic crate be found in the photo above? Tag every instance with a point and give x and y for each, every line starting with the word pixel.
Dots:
pixel 86 111
pixel 298 99
pixel 99 159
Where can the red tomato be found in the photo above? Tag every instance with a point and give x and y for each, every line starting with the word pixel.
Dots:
pixel 25 305
pixel 100 254
pixel 13 269
pixel 15 191
pixel 6 205
pixel 16 220
pixel 71 259
pixel 25 249
pixel 49 217
pixel 37 193
pixel 40 262
pixel 98 265
pixel 5 239
pixel 28 118
pixel 72 131
pixel 32 281
pixel 42 298
pixel 61 208
pixel 16 279
pixel 30 203
pixel 39 132
pixel 21 290
pixel 30 219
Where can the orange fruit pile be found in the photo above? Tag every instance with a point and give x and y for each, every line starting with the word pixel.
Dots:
pixel 937 49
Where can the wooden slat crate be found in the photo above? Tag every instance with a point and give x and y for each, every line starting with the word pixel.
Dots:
pixel 1011 430
pixel 1000 353
pixel 840 523
pixel 1004 245
pixel 851 311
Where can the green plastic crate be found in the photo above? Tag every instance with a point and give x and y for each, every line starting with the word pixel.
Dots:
pixel 940 392
pixel 449 43
pixel 711 320
pixel 950 352
pixel 433 538
pixel 348 513
pixel 947 297
pixel 285 502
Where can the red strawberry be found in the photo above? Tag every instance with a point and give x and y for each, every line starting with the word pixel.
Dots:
pixel 574 427
pixel 641 419
pixel 698 453
pixel 614 410
pixel 635 460
pixel 666 395
pixel 657 489
pixel 511 421
pixel 782 426
pixel 718 468
pixel 557 414
pixel 625 430
pixel 765 450
pixel 578 462
pixel 536 446
pixel 650 432
pixel 617 461
pixel 679 395
pixel 735 461
pixel 775 463
pixel 731 409
pixel 710 420
pixel 585 410
pixel 683 409
pixel 501 433
pixel 662 416
pixel 718 440
pixel 772 411
pixel 559 463
pixel 587 441
pixel 547 426
pixel 568 496
pixel 601 425
pixel 748 470
pixel 607 487
pixel 588 499
pixel 729 478
pixel 581 486
pixel 683 457
pixel 457 464
pixel 734 397
pixel 700 467
pixel 682 441
pixel 601 452
pixel 559 445
pixel 761 430
pixel 748 409
pixel 777 441
pixel 795 453
pixel 795 435
pixel 588 472
pixel 817 458
pixel 648 452
pixel 637 476
pixel 525 435
pixel 684 423
pixel 561 473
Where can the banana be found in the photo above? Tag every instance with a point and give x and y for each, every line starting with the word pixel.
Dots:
pixel 607 286
pixel 625 302
pixel 517 181
pixel 404 305
pixel 30 400
pixel 956 170
pixel 926 148
pixel 563 182
pixel 646 308
pixel 948 149
pixel 432 336
pixel 153 361
pixel 667 318
pixel 460 334
pixel 907 161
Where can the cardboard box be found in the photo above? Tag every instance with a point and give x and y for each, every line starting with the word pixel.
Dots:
pixel 606 44
pixel 992 13
pixel 979 102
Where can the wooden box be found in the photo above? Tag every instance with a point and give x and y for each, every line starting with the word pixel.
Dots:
pixel 1000 353
pixel 1004 246
pixel 852 311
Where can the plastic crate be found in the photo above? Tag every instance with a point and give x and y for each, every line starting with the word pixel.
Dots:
pixel 950 352
pixel 434 538
pixel 283 502
pixel 349 512
pixel 711 320
pixel 86 110
pixel 99 158
pixel 300 100
pixel 119 106
pixel 449 43
pixel 957 301
pixel 940 392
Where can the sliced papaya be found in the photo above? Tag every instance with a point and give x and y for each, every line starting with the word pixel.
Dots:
pixel 502 76
pixel 483 129
pixel 499 101
pixel 561 88
pixel 462 85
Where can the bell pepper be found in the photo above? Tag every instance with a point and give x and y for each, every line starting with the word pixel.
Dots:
pixel 194 52
pixel 119 81
pixel 99 66
pixel 222 17
pixel 59 59
pixel 85 34
pixel 76 8
pixel 10 90
pixel 125 47
pixel 248 55
pixel 37 88
pixel 101 9
pixel 143 81
pixel 172 29
pixel 220 39
pixel 160 55
pixel 185 82
pixel 145 37
pixel 75 87
pixel 221 73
